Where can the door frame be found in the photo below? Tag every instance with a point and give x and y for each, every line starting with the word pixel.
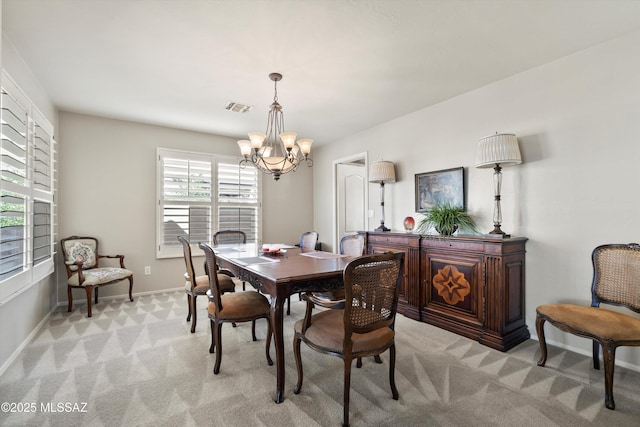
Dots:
pixel 359 157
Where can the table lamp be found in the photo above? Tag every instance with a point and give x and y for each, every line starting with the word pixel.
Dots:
pixel 497 151
pixel 382 172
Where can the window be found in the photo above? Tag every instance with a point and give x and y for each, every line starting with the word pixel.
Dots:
pixel 27 150
pixel 199 194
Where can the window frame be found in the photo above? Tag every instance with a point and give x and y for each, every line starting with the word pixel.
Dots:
pixel 175 251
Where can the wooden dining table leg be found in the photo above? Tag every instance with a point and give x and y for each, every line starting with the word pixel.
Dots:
pixel 277 310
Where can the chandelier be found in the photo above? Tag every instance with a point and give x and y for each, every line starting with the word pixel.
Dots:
pixel 269 154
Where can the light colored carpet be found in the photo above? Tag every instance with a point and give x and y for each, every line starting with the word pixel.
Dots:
pixel 135 363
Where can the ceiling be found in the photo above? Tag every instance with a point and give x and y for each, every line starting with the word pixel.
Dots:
pixel 347 65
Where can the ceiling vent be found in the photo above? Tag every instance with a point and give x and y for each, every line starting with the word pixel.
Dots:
pixel 237 107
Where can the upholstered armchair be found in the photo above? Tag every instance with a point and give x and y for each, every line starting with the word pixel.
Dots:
pixel 82 261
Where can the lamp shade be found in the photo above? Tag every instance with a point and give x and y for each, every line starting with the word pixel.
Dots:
pixel 245 147
pixel 499 149
pixel 382 172
pixel 305 145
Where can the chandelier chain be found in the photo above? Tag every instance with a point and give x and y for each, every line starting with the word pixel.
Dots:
pixel 275 91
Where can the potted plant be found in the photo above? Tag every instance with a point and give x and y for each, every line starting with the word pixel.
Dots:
pixel 446 219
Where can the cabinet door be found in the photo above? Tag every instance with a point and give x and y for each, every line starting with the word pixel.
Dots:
pixel 453 288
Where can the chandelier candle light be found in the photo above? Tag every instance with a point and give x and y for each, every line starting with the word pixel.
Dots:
pixel 497 151
pixel 382 172
pixel 267 153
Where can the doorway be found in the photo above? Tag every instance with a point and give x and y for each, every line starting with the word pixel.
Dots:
pixel 350 196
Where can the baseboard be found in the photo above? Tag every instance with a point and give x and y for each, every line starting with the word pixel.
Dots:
pixel 26 342
pixel 83 301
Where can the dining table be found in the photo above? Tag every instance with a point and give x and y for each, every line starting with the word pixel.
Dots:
pixel 279 274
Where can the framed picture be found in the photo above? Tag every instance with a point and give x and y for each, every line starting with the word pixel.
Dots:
pixel 439 187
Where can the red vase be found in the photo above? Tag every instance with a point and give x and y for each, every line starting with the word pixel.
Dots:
pixel 409 223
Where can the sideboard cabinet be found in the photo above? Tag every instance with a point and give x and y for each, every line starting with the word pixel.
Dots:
pixel 473 286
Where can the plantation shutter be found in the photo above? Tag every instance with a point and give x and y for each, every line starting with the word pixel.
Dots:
pixel 41 158
pixel 186 199
pixel 13 196
pixel 238 199
pixel 42 167
pixel 41 231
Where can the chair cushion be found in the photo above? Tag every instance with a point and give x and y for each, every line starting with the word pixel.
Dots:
pixel 240 305
pixel 81 251
pixel 100 276
pixel 597 322
pixel 202 284
pixel 327 331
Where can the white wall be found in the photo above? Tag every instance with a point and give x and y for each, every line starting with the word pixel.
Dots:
pixel 577 123
pixel 108 190
pixel 287 206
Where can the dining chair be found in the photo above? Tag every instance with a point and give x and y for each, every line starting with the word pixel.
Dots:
pixel 82 262
pixel 234 308
pixel 364 327
pixel 230 237
pixel 199 285
pixel 616 281
pixel 308 241
pixel 352 245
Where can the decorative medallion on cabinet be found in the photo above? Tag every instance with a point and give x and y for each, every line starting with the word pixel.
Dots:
pixel 473 286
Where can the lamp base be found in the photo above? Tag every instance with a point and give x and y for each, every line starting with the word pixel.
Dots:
pixel 498 233
pixel 497 236
pixel 382 228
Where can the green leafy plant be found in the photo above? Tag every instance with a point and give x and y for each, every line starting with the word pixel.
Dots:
pixel 446 219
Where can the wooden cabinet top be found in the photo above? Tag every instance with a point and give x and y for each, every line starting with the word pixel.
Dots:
pixel 475 243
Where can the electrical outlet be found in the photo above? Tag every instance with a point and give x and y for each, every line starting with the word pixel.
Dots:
pixel 147 270
pixel 370 213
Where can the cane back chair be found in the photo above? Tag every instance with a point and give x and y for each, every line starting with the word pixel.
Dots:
pixel 352 245
pixel 365 327
pixel 616 281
